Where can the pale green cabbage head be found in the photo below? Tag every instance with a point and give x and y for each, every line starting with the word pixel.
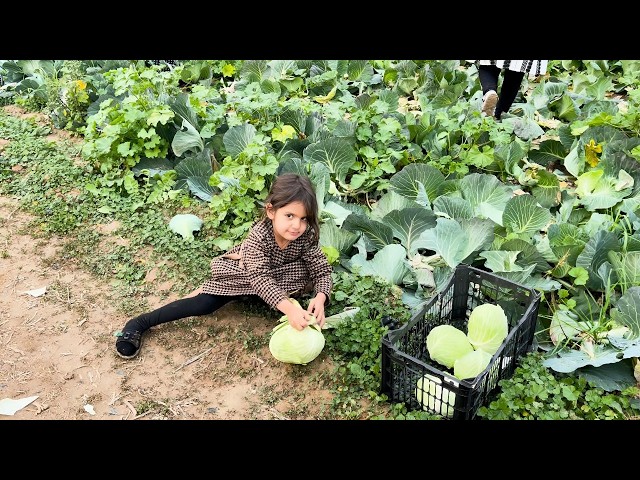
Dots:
pixel 296 346
pixel 471 365
pixel 438 400
pixel 487 328
pixel 446 344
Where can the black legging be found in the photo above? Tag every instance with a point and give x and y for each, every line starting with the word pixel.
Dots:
pixel 201 304
pixel 488 75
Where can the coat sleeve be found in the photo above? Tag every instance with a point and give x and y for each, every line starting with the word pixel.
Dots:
pixel 319 270
pixel 255 257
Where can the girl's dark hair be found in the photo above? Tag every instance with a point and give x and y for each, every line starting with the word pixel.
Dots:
pixel 291 187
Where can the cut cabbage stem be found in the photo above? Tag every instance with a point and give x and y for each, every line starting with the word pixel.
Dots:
pixel 347 314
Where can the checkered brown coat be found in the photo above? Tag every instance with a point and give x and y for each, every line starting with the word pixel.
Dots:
pixel 258 266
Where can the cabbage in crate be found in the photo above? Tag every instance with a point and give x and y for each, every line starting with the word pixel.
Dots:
pixel 430 394
pixel 469 354
pixel 487 328
pixel 446 344
pixel 471 365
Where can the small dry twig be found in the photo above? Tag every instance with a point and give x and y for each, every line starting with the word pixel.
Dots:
pixel 226 358
pixel 17 350
pixel 31 319
pixel 12 212
pixel 41 407
pixel 193 359
pixel 131 407
pixel 277 414
pixel 114 398
pixel 142 414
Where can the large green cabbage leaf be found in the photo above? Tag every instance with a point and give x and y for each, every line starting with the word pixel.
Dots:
pixel 389 263
pixel 456 240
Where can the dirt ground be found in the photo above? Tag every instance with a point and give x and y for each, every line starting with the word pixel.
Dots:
pixel 57 326
pixel 59 347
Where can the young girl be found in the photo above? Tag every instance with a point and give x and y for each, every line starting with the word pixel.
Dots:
pixel 280 257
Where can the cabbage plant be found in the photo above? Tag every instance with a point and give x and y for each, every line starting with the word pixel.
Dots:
pixel 185 224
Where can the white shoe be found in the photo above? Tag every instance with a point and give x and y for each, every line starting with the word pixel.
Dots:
pixel 489 101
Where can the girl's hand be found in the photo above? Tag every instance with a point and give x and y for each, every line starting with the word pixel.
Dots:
pixel 297 316
pixel 299 319
pixel 316 307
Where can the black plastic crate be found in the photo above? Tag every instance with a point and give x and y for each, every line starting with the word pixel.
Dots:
pixel 405 359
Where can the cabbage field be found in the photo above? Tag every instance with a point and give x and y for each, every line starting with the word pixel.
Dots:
pixel 411 180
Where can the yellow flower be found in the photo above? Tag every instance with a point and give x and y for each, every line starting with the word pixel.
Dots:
pixel 590 151
pixel 81 84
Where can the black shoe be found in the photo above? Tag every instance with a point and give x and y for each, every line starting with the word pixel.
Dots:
pixel 128 343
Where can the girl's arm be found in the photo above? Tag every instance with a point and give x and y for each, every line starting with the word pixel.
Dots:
pixel 320 271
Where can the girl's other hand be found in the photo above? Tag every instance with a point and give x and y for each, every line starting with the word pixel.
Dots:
pixel 316 307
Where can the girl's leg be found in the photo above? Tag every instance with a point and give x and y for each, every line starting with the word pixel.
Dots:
pixel 201 304
pixel 511 82
pixel 488 75
pixel 128 343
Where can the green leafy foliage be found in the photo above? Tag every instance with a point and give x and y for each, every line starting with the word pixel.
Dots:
pixel 536 393
pixel 124 131
pixel 355 345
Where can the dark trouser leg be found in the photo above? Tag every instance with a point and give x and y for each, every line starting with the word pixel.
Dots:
pixel 128 343
pixel 201 304
pixel 488 75
pixel 511 82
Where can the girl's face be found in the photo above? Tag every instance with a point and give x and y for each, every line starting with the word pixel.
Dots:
pixel 289 222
